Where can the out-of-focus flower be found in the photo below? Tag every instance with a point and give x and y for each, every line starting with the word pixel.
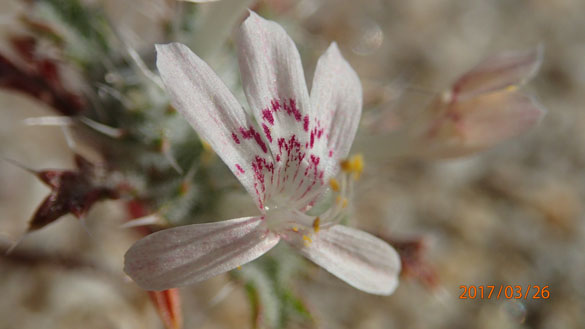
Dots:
pixel 482 108
pixel 285 153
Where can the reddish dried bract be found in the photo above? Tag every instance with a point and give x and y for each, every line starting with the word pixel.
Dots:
pixel 72 191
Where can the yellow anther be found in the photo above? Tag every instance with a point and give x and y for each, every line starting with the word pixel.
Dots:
pixel 338 199
pixel 354 165
pixel 345 165
pixel 296 229
pixel 511 88
pixel 316 226
pixel 344 204
pixel 334 184
pixel 357 164
pixel 307 240
pixel 239 268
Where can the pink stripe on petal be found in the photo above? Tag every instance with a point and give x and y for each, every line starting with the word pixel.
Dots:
pixel 275 87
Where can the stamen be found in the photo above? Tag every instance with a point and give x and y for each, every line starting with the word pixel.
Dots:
pixel 354 165
pixel 357 163
pixel 345 165
pixel 316 226
pixel 344 203
pixel 308 240
pixel 295 229
pixel 239 268
pixel 334 184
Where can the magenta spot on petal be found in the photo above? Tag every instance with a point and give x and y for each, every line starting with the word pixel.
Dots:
pixel 306 123
pixel 295 110
pixel 275 105
pixel 267 115
pixel 330 153
pixel 259 165
pixel 239 168
pixel 235 138
pixel 278 158
pixel 252 133
pixel 292 110
pixel 315 159
pixel 312 138
pixel 267 132
pixel 260 142
pixel 245 133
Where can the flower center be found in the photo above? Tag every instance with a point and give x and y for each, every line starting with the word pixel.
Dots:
pixel 331 210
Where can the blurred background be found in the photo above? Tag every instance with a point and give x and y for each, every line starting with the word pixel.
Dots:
pixel 511 215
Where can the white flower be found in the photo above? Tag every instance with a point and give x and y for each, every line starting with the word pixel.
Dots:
pixel 285 154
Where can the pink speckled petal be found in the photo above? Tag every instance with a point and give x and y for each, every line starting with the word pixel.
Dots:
pixel 274 83
pixel 356 257
pixel 211 109
pixel 272 76
pixel 188 254
pixel 336 96
pixel 497 72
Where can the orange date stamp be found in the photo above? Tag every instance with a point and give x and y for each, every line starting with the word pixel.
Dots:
pixel 504 292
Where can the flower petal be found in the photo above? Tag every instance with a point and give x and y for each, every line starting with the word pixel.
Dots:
pixel 336 97
pixel 498 72
pixel 275 86
pixel 211 109
pixel 184 255
pixel 272 76
pixel 356 257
